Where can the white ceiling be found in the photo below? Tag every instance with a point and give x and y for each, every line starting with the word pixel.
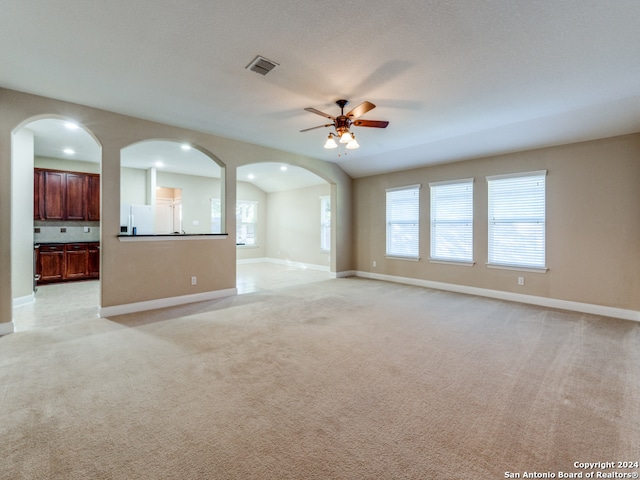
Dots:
pixel 456 79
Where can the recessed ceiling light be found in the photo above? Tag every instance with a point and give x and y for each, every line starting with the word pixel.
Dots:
pixel 185 146
pixel 251 176
pixel 283 168
pixel 159 164
pixel 69 151
pixel 71 125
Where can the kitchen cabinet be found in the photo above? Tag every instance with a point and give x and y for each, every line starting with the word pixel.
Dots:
pixel 37 190
pixel 93 262
pixel 93 197
pixel 50 263
pixel 62 262
pixel 53 204
pixel 75 261
pixel 62 195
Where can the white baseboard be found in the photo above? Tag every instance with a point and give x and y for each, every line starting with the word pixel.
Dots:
pixel 26 300
pixel 346 273
pixel 512 297
pixel 6 328
pixel 165 302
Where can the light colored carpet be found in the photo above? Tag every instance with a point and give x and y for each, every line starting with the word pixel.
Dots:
pixel 340 379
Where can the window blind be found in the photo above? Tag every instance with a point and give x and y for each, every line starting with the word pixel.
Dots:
pixel 517 220
pixel 452 221
pixel 403 222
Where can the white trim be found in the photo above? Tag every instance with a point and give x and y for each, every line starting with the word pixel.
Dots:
pixel 535 173
pixel 452 262
pixel 22 301
pixel 6 328
pixel 397 257
pixel 165 302
pixel 345 274
pixel 452 182
pixel 406 187
pixel 165 238
pixel 518 268
pixel 605 311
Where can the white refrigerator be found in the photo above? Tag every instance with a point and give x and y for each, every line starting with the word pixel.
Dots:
pixel 136 218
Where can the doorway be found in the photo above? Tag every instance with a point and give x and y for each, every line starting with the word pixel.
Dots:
pixel 56 167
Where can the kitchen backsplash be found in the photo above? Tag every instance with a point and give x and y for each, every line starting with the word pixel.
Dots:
pixel 44 232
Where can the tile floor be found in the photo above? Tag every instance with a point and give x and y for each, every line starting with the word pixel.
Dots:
pixel 65 303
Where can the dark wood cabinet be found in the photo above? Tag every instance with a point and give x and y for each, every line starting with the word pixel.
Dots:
pixel 37 194
pixel 54 186
pixel 67 261
pixel 75 261
pixel 76 200
pixel 61 195
pixel 93 197
pixel 93 262
pixel 50 263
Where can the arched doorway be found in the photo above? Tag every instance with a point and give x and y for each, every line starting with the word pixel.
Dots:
pixel 56 166
pixel 283 224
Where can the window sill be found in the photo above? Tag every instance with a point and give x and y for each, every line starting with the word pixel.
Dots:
pixel 409 259
pixel 452 262
pixel 242 246
pixel 518 268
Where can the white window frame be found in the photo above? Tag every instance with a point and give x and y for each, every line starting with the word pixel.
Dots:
pixel 517 221
pixel 325 223
pixel 403 224
pixel 242 226
pixel 452 222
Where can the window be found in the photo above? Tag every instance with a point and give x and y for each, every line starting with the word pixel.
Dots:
pixel 325 223
pixel 246 222
pixel 403 222
pixel 517 220
pixel 452 221
pixel 216 216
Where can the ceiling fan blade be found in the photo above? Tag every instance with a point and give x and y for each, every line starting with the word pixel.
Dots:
pixel 319 126
pixel 318 112
pixel 370 123
pixel 360 110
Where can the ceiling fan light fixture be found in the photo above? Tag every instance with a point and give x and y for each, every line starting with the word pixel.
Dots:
pixel 352 143
pixel 331 143
pixel 345 137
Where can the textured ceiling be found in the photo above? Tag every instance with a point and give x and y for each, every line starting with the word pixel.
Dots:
pixel 456 79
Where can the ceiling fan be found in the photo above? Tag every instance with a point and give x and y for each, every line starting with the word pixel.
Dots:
pixel 343 122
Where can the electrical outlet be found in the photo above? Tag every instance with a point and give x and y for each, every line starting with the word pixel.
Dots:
pixel 194 280
pixel 374 264
pixel 520 280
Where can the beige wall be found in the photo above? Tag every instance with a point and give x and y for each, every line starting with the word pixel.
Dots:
pixel 141 271
pixel 293 230
pixel 593 223
pixel 67 165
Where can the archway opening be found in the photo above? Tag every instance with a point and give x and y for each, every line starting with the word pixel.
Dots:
pixel 283 226
pixel 56 167
pixel 169 187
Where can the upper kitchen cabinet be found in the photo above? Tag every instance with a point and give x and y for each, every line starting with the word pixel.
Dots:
pixel 61 195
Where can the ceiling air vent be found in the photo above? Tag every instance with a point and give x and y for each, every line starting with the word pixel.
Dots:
pixel 261 65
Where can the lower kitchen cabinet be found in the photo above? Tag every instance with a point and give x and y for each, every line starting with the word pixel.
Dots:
pixel 75 261
pixel 67 261
pixel 50 263
pixel 93 262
